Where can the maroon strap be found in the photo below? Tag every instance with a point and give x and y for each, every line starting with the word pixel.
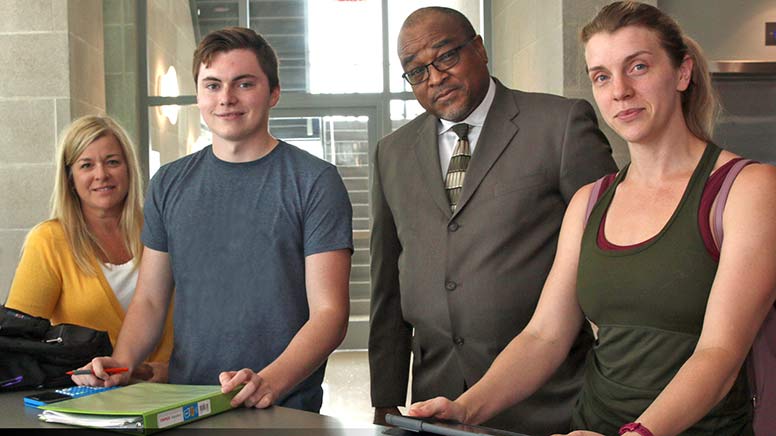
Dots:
pixel 599 187
pixel 722 195
pixel 594 195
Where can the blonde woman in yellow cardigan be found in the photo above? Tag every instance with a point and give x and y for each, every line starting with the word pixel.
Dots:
pixel 80 266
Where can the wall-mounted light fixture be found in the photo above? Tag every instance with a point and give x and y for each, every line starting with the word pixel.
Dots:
pixel 168 85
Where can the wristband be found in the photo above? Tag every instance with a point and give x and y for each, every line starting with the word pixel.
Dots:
pixel 635 427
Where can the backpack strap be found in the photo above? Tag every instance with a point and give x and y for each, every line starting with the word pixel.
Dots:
pixel 761 359
pixel 721 200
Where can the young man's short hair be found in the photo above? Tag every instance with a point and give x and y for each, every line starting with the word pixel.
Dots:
pixel 233 38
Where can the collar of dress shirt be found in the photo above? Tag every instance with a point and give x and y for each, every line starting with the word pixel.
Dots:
pixel 477 117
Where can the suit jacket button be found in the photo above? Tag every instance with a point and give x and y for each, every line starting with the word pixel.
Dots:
pixel 452 227
pixel 450 286
pixel 458 340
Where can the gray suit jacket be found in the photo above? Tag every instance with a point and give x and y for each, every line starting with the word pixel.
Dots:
pixel 469 281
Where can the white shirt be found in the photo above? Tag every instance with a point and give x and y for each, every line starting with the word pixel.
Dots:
pixel 448 139
pixel 122 279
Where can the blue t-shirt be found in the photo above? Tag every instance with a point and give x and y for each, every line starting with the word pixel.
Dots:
pixel 237 235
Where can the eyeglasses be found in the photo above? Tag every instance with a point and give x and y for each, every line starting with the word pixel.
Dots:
pixel 444 62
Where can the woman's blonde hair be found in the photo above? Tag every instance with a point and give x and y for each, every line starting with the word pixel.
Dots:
pixel 700 105
pixel 66 204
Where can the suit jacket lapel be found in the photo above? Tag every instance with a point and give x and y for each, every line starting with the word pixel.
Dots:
pixel 427 152
pixel 497 132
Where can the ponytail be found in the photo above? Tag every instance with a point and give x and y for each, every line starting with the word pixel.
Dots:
pixel 700 104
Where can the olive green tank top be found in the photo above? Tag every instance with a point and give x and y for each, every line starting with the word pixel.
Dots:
pixel 648 302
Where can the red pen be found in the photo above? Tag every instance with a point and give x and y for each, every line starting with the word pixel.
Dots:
pixel 89 371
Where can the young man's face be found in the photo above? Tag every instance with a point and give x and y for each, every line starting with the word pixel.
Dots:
pixel 234 97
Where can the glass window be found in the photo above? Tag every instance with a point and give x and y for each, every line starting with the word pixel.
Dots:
pixel 214 15
pixel 402 111
pixel 283 24
pixel 344 141
pixel 324 46
pixel 340 139
pixel 345 46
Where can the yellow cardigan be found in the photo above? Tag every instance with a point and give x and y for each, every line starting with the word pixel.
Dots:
pixel 49 284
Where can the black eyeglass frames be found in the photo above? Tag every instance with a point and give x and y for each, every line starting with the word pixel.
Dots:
pixel 443 62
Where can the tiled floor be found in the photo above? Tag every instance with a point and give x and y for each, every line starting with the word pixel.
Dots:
pixel 346 388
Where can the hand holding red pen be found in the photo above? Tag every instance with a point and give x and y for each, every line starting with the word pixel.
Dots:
pixel 89 371
pixel 103 372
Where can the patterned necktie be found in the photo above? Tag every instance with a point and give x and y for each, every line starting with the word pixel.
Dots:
pixel 456 171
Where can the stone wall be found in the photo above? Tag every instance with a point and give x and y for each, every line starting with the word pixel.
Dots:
pixel 51 64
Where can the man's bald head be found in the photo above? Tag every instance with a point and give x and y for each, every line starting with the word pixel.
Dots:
pixel 421 16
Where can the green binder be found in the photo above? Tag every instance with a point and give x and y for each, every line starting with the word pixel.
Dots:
pixel 141 408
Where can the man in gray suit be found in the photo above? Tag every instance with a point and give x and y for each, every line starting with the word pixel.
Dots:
pixel 464 267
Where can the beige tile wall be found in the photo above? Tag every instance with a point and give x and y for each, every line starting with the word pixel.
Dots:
pixel 527 44
pixel 51 65
pixel 87 69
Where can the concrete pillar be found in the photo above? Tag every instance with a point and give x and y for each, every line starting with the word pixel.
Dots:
pixel 121 93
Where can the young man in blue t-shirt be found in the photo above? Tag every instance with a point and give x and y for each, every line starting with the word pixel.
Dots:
pixel 255 237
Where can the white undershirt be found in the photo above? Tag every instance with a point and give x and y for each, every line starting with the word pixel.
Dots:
pixel 447 138
pixel 122 279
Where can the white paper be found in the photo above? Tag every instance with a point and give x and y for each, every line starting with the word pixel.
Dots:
pixel 94 421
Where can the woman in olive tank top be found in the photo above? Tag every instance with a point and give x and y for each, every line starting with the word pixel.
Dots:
pixel 674 318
